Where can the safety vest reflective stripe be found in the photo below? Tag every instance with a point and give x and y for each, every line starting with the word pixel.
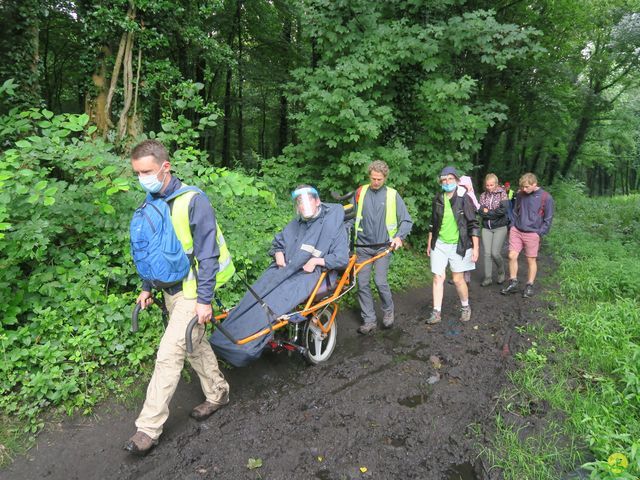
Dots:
pixel 180 221
pixel 391 217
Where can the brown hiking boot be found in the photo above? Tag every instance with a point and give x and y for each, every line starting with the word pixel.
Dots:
pixel 206 409
pixel 367 328
pixel 465 313
pixel 140 444
pixel 387 320
pixel 436 317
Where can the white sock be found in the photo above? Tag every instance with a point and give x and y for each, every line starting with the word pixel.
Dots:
pixel 465 303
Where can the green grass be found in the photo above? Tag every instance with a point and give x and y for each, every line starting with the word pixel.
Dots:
pixel 588 374
pixel 532 457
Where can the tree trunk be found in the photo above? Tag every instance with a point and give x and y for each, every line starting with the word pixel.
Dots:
pixel 535 157
pixel 96 107
pixel 226 124
pixel 590 180
pixel 19 50
pixel 580 133
pixel 48 88
pixel 114 79
pixel 263 125
pixel 483 158
pixel 509 152
pixel 240 126
pixel 127 81
pixel 283 130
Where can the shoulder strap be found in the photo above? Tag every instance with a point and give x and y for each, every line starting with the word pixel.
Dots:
pixel 543 201
pixel 358 192
pixel 181 190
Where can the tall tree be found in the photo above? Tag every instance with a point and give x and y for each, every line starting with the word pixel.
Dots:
pixel 19 48
pixel 612 64
pixel 390 85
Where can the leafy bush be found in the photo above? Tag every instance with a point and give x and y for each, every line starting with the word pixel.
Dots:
pixel 598 351
pixel 66 276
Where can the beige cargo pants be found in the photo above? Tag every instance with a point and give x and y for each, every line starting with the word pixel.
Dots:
pixel 169 363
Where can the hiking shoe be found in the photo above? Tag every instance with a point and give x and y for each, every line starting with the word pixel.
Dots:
pixel 367 328
pixel 501 278
pixel 436 317
pixel 528 291
pixel 206 409
pixel 140 444
pixel 465 313
pixel 486 282
pixel 387 320
pixel 511 288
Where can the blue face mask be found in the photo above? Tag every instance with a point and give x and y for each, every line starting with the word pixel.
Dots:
pixel 449 187
pixel 150 183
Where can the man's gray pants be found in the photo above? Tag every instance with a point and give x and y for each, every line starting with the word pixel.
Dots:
pixel 365 296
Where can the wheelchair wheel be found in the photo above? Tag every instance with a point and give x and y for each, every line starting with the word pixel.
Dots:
pixel 320 345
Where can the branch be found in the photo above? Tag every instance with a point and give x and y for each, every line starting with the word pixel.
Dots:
pixel 624 73
pixel 135 98
pixel 127 80
pixel 114 78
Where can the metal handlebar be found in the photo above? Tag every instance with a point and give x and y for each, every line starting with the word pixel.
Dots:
pixel 341 198
pixel 194 322
pixel 138 307
pixel 134 317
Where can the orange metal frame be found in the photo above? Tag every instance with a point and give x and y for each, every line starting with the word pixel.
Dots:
pixel 309 308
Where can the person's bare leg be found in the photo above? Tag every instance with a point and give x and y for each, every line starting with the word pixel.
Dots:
pixel 533 270
pixel 461 286
pixel 513 264
pixel 438 291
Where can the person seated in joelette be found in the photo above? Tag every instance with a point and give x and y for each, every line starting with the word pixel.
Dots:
pixel 316 238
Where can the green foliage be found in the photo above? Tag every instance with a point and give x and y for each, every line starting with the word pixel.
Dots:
pixel 591 369
pixel 384 89
pixel 66 275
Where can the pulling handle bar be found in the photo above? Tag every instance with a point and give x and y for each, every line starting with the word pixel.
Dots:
pixel 138 307
pixel 194 322
pixel 134 317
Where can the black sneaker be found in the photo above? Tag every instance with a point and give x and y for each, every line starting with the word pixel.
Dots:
pixel 528 291
pixel 511 288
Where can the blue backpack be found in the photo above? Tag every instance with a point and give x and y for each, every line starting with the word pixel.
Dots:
pixel 156 250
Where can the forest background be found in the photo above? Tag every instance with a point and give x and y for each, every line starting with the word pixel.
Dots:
pixel 253 97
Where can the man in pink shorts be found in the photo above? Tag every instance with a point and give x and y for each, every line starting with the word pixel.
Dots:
pixel 532 216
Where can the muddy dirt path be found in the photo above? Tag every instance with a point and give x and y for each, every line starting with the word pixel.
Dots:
pixel 402 403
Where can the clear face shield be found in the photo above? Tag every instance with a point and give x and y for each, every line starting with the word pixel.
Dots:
pixel 307 201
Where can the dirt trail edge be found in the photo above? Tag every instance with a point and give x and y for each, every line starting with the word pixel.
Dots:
pixel 401 403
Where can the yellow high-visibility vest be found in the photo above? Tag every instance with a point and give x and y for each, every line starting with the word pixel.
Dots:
pixel 180 221
pixel 391 218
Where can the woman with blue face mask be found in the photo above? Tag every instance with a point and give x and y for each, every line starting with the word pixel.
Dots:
pixel 453 241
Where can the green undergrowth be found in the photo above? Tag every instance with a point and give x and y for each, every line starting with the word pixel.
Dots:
pixel 584 379
pixel 66 277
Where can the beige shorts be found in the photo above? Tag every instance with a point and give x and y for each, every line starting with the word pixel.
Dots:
pixel 445 254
